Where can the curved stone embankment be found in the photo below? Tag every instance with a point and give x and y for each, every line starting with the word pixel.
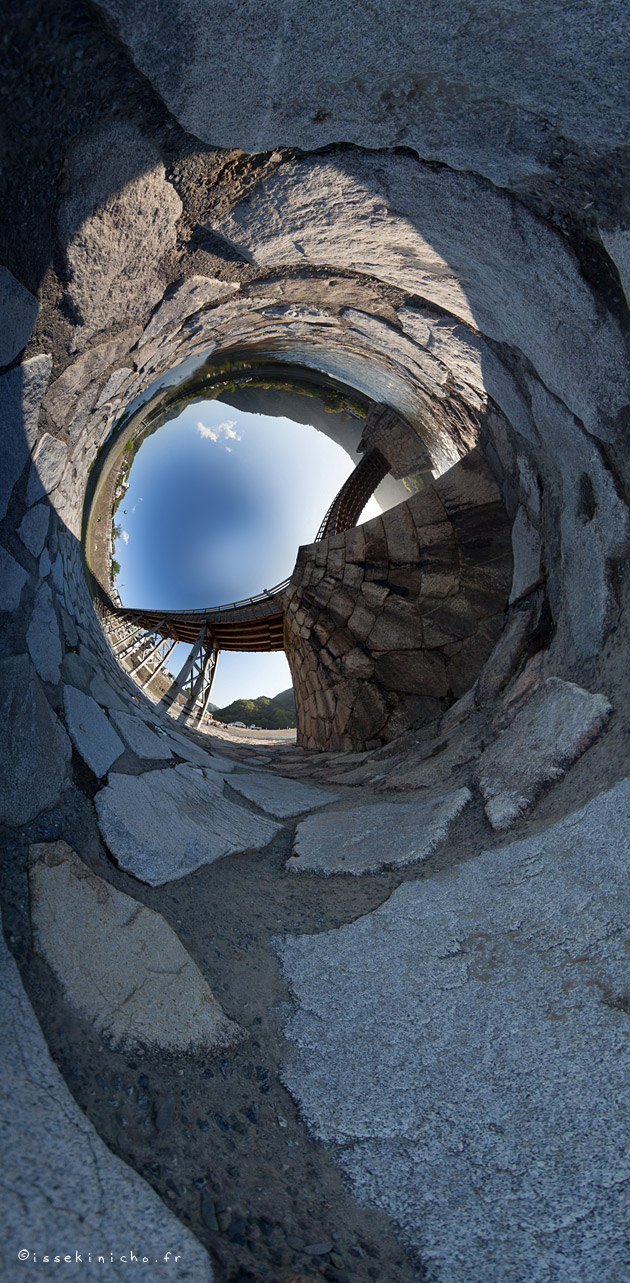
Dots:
pixel 412 1053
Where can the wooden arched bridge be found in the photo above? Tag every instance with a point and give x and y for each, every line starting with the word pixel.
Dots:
pixel 145 639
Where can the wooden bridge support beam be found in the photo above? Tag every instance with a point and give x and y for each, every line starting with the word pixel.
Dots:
pixel 182 677
pixel 169 647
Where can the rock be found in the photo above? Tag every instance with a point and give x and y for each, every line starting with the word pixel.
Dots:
pixel 76 671
pixel 165 1113
pixel 64 399
pixel 208 1214
pixel 527 551
pixel 18 314
pixel 488 1004
pixel 92 734
pixel 116 225
pixel 69 628
pixel 34 528
pixel 49 462
pixel 21 392
pixel 189 297
pixel 617 242
pixel 362 215
pixel 42 637
pixel 120 965
pixel 164 824
pixel 44 564
pixel 184 747
pixel 224 765
pixel 79 1194
pixel 12 581
pixel 57 572
pixel 281 797
pixel 365 839
pixel 592 523
pixel 102 692
pixel 139 737
pixel 371 92
pixel 34 748
pixel 508 652
pixel 114 382
pixel 557 725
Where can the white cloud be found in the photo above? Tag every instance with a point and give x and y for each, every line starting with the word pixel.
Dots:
pixel 207 433
pixel 229 449
pixel 223 429
pixel 125 536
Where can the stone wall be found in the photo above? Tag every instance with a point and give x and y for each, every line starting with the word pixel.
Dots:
pixel 389 622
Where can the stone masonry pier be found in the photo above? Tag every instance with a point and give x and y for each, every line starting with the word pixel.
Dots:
pixel 391 621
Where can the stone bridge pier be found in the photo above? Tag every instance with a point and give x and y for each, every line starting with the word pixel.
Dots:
pixel 356 1008
pixel 390 622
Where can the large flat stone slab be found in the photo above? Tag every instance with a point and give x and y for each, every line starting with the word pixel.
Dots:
pixel 120 965
pixel 457 85
pixel 21 392
pixel 18 314
pixel 163 825
pixel 557 725
pixel 140 738
pixel 34 528
pixel 34 748
pixel 12 581
pixel 92 734
pixel 62 1188
pixel 42 636
pixel 368 838
pixel 185 747
pixel 281 797
pixel 466 1044
pixel 49 462
pixel 103 693
pixel 188 298
pixel 117 222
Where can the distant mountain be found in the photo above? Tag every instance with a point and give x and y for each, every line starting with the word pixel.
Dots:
pixel 286 699
pixel 270 714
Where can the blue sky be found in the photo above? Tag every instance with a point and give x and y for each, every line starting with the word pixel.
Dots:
pixel 218 502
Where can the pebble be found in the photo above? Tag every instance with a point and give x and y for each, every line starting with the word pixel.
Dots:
pixel 208 1214
pixel 296 1243
pixel 317 1249
pixel 221 1123
pixel 165 1113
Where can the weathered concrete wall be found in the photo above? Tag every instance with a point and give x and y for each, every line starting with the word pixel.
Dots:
pixel 388 623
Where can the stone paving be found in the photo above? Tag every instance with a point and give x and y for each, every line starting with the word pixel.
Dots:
pixel 280 797
pixel 64 1191
pixel 465 1049
pixel 144 992
pixel 164 824
pixel 383 835
pixel 456 1011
